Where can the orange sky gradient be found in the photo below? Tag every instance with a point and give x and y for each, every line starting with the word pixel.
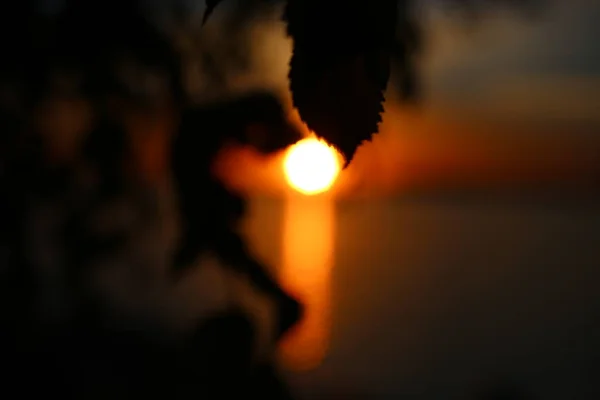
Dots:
pixel 425 151
pixel 512 104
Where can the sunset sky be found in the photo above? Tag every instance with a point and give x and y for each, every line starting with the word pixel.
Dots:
pixel 508 101
pixel 512 99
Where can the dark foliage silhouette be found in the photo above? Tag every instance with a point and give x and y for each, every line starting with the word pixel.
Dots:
pixel 119 75
pixel 257 120
pixel 349 81
pixel 127 73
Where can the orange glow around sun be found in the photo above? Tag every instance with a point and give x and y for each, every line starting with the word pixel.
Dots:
pixel 311 166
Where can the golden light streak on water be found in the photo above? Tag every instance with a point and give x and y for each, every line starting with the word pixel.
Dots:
pixel 308 247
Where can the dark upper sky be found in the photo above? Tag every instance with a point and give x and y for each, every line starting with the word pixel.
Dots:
pixel 545 69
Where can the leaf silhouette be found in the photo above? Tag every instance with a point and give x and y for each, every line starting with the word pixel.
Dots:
pixel 340 66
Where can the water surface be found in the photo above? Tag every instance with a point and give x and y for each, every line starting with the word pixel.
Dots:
pixel 437 297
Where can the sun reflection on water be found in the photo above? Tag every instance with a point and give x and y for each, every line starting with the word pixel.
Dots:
pixel 308 244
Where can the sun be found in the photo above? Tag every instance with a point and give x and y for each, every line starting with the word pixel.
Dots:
pixel 311 166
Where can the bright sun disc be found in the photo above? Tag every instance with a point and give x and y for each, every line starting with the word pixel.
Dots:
pixel 311 166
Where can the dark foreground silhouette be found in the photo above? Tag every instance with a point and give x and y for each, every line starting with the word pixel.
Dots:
pixel 81 199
